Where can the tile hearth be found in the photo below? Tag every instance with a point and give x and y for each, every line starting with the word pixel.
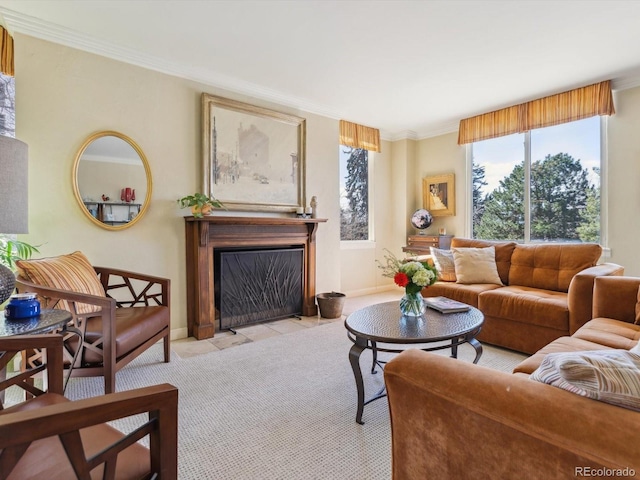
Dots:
pixel 189 347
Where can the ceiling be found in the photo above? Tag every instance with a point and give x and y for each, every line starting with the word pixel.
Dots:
pixel 410 68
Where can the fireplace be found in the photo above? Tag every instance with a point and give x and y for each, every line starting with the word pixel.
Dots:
pixel 208 237
pixel 256 285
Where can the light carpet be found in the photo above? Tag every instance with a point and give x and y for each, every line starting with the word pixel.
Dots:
pixel 279 408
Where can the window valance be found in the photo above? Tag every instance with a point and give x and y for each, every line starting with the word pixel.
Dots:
pixel 570 106
pixel 359 136
pixel 6 52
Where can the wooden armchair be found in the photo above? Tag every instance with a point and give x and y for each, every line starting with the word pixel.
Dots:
pixel 49 436
pixel 133 314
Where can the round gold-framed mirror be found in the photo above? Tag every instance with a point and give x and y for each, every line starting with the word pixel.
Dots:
pixel 112 180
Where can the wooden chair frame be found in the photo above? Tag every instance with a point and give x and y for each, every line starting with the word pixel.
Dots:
pixel 65 419
pixel 133 290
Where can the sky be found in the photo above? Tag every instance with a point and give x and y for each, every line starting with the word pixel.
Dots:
pixel 579 139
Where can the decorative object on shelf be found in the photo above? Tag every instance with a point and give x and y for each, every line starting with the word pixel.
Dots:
pixel 314 207
pixel 253 158
pixel 442 231
pixel 438 195
pixel 105 198
pixel 421 219
pixel 133 194
pixel 413 276
pixel 200 204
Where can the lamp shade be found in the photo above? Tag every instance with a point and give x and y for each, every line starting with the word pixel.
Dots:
pixel 13 186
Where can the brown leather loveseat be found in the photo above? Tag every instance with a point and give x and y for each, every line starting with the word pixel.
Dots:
pixel 546 293
pixel 453 419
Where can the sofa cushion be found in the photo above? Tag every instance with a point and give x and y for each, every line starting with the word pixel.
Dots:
pixel 443 261
pixel 551 266
pixel 72 272
pixel 562 344
pixel 504 250
pixel 610 333
pixel 531 305
pixel 463 293
pixel 611 376
pixel 476 265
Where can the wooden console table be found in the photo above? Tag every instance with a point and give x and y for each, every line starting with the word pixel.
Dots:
pixel 204 235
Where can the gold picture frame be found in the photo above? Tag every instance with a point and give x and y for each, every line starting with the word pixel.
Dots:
pixel 253 158
pixel 438 195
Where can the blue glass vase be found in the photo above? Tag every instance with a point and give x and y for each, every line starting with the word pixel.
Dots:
pixel 412 305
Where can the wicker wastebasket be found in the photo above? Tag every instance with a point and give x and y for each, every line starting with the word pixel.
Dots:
pixel 330 304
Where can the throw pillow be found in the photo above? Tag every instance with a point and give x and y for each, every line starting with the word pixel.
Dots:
pixel 72 272
pixel 443 261
pixel 611 376
pixel 637 322
pixel 476 265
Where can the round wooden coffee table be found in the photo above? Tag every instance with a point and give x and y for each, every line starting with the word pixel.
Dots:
pixel 383 323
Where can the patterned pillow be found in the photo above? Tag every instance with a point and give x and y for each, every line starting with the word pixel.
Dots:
pixel 476 265
pixel 71 272
pixel 637 322
pixel 443 261
pixel 611 376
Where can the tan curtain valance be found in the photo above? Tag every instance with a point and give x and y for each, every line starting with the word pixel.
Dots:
pixel 359 136
pixel 564 107
pixel 6 52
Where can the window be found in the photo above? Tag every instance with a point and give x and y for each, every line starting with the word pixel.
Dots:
pixel 539 186
pixel 354 194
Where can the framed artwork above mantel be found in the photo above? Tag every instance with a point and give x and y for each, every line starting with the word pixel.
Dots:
pixel 253 157
pixel 438 195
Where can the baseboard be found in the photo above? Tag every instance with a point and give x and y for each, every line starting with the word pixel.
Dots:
pixel 178 333
pixel 370 291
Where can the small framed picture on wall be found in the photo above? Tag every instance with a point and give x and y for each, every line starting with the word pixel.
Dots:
pixel 438 195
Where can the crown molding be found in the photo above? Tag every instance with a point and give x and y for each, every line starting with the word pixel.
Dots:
pixel 28 25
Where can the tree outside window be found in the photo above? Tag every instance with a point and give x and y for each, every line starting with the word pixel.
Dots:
pixel 354 193
pixel 563 186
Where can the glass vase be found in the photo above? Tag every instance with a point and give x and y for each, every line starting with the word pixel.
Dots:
pixel 412 305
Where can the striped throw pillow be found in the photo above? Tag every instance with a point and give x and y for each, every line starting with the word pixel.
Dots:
pixel 611 376
pixel 72 272
pixel 443 261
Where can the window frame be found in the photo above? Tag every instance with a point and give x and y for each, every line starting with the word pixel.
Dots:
pixel 604 225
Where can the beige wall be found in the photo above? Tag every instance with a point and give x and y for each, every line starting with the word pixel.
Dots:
pixel 623 174
pixel 63 95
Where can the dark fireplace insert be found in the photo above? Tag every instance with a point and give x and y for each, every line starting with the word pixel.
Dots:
pixel 257 284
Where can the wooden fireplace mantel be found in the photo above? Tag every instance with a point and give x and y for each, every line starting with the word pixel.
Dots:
pixel 203 235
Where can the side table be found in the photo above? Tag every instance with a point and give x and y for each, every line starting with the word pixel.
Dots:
pixel 419 244
pixel 48 321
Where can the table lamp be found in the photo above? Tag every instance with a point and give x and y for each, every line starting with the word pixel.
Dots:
pixel 13 200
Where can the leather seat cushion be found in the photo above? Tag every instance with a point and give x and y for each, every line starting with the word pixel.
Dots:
pixel 46 458
pixel 610 332
pixel 544 308
pixel 562 344
pixel 134 326
pixel 462 293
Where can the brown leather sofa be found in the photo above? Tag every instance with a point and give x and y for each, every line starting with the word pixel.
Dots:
pixel 546 294
pixel 453 419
